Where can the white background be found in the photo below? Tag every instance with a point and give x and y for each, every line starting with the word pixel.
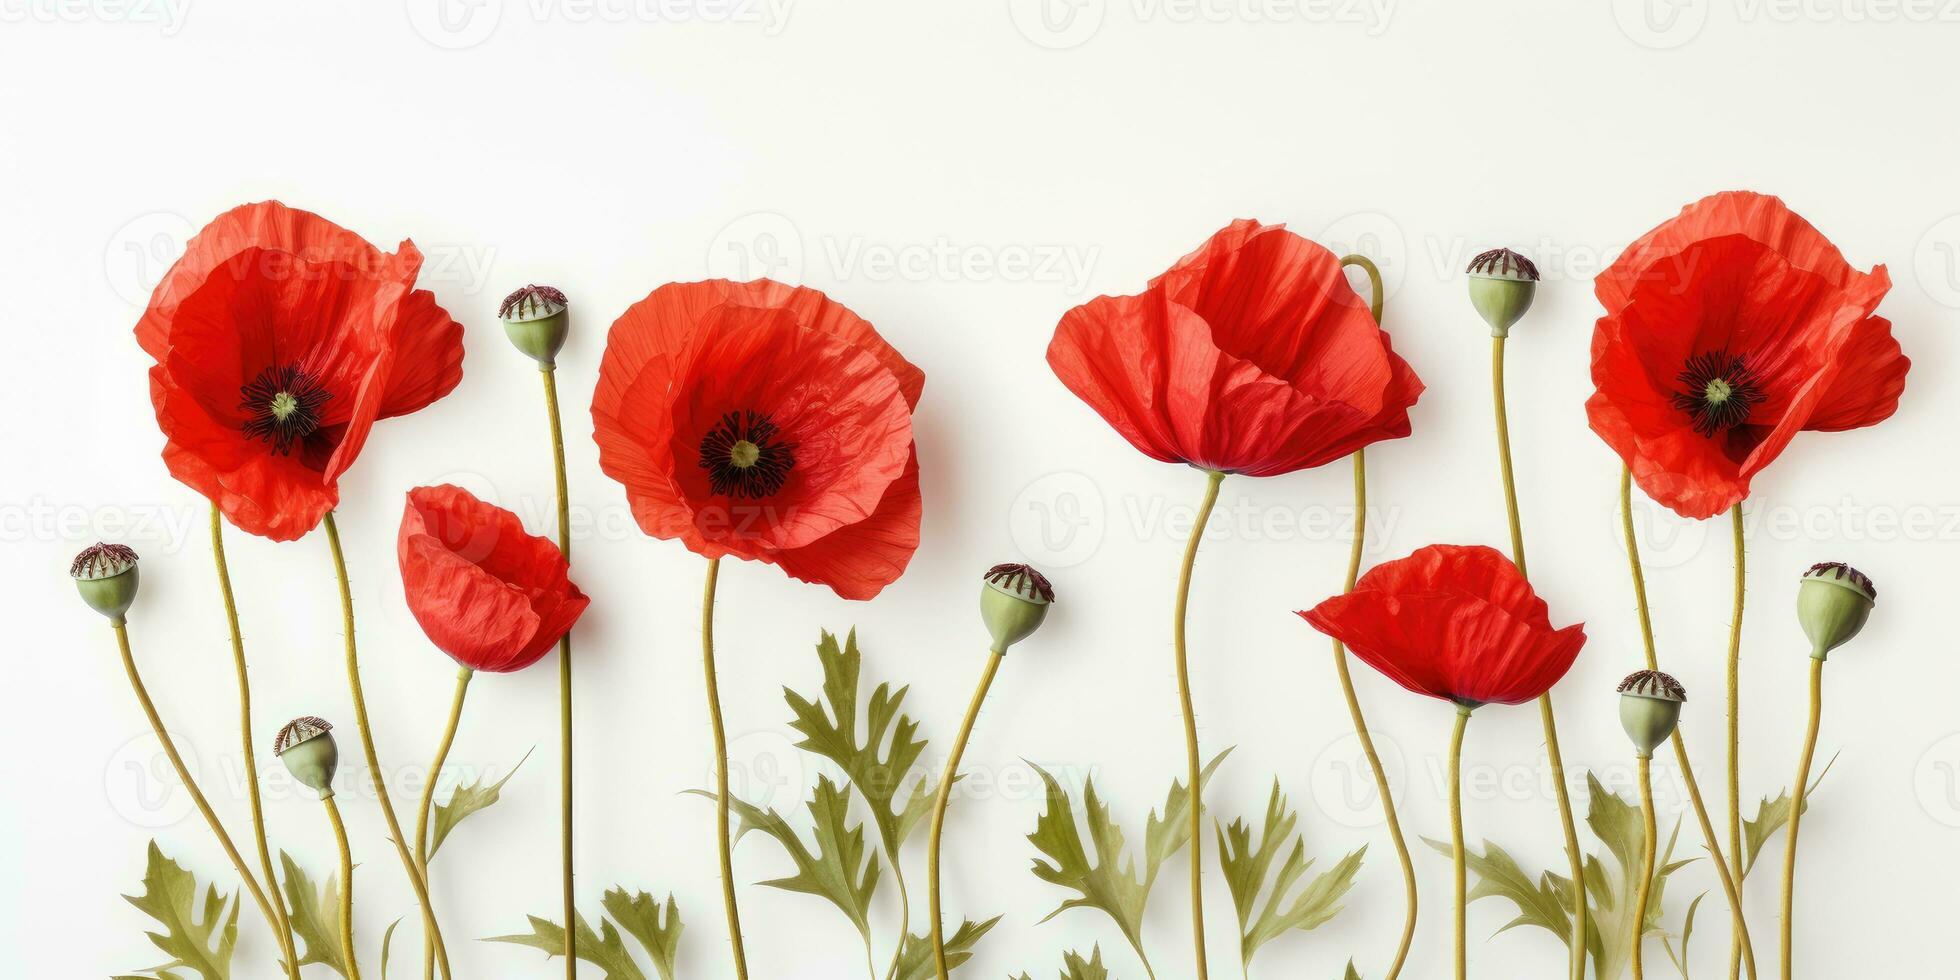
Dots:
pixel 961 174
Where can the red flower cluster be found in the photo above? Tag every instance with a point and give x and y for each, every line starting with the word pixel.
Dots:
pixel 1453 622
pixel 1728 330
pixel 487 593
pixel 767 422
pixel 279 339
pixel 1251 355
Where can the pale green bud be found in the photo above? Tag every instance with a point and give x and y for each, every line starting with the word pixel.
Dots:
pixel 1832 604
pixel 1502 284
pixel 536 321
pixel 106 576
pixel 1014 599
pixel 307 748
pixel 1650 707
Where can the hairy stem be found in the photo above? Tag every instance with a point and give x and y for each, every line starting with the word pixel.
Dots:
pixel 1193 766
pixel 1646 882
pixel 1456 840
pixel 346 888
pixel 1796 807
pixel 1735 731
pixel 550 375
pixel 723 843
pixel 429 796
pixel 946 778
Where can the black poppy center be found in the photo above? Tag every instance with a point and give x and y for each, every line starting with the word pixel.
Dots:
pixel 744 456
pixel 1718 391
pixel 283 406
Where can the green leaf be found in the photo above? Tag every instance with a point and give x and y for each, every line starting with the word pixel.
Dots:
pixel 832 872
pixel 1246 869
pixel 642 917
pixel 465 801
pixel 1499 876
pixel 915 956
pixel 1687 933
pixel 387 943
pixel 315 916
pixel 877 770
pixel 604 950
pixel 1074 967
pixel 170 896
pixel 1772 816
pixel 1351 974
pixel 1110 882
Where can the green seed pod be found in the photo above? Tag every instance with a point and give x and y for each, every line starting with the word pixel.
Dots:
pixel 1502 284
pixel 1832 604
pixel 307 748
pixel 1013 602
pixel 536 321
pixel 106 576
pixel 1650 707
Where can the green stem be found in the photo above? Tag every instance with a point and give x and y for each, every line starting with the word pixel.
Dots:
pixel 1646 882
pixel 422 807
pixel 1796 808
pixel 1193 765
pixel 1735 731
pixel 346 888
pixel 550 375
pixel 1456 839
pixel 1575 859
pixel 723 843
pixel 1729 882
pixel 184 775
pixel 375 776
pixel 284 928
pixel 945 794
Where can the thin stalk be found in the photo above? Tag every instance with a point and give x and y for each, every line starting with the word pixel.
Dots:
pixel 946 778
pixel 1729 882
pixel 1361 725
pixel 550 375
pixel 190 785
pixel 1646 865
pixel 1456 840
pixel 422 807
pixel 346 889
pixel 1193 766
pixel 723 843
pixel 284 929
pixel 1575 859
pixel 375 776
pixel 1735 730
pixel 1796 808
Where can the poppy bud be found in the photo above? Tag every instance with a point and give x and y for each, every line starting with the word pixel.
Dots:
pixel 106 576
pixel 1650 706
pixel 536 322
pixel 1502 283
pixel 1832 604
pixel 1013 602
pixel 307 748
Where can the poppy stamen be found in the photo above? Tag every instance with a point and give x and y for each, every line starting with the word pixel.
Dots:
pixel 1721 391
pixel 285 405
pixel 743 458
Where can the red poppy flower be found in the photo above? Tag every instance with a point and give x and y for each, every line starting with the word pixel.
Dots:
pixel 1251 355
pixel 487 593
pixel 1728 330
pixel 279 338
pixel 1453 622
pixel 767 422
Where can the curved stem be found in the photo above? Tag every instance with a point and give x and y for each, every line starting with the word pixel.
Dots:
pixel 1729 882
pixel 1361 723
pixel 946 778
pixel 1735 736
pixel 722 841
pixel 1193 766
pixel 1575 859
pixel 346 889
pixel 1456 839
pixel 550 375
pixel 184 775
pixel 1646 882
pixel 284 927
pixel 1796 808
pixel 375 775
pixel 428 798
